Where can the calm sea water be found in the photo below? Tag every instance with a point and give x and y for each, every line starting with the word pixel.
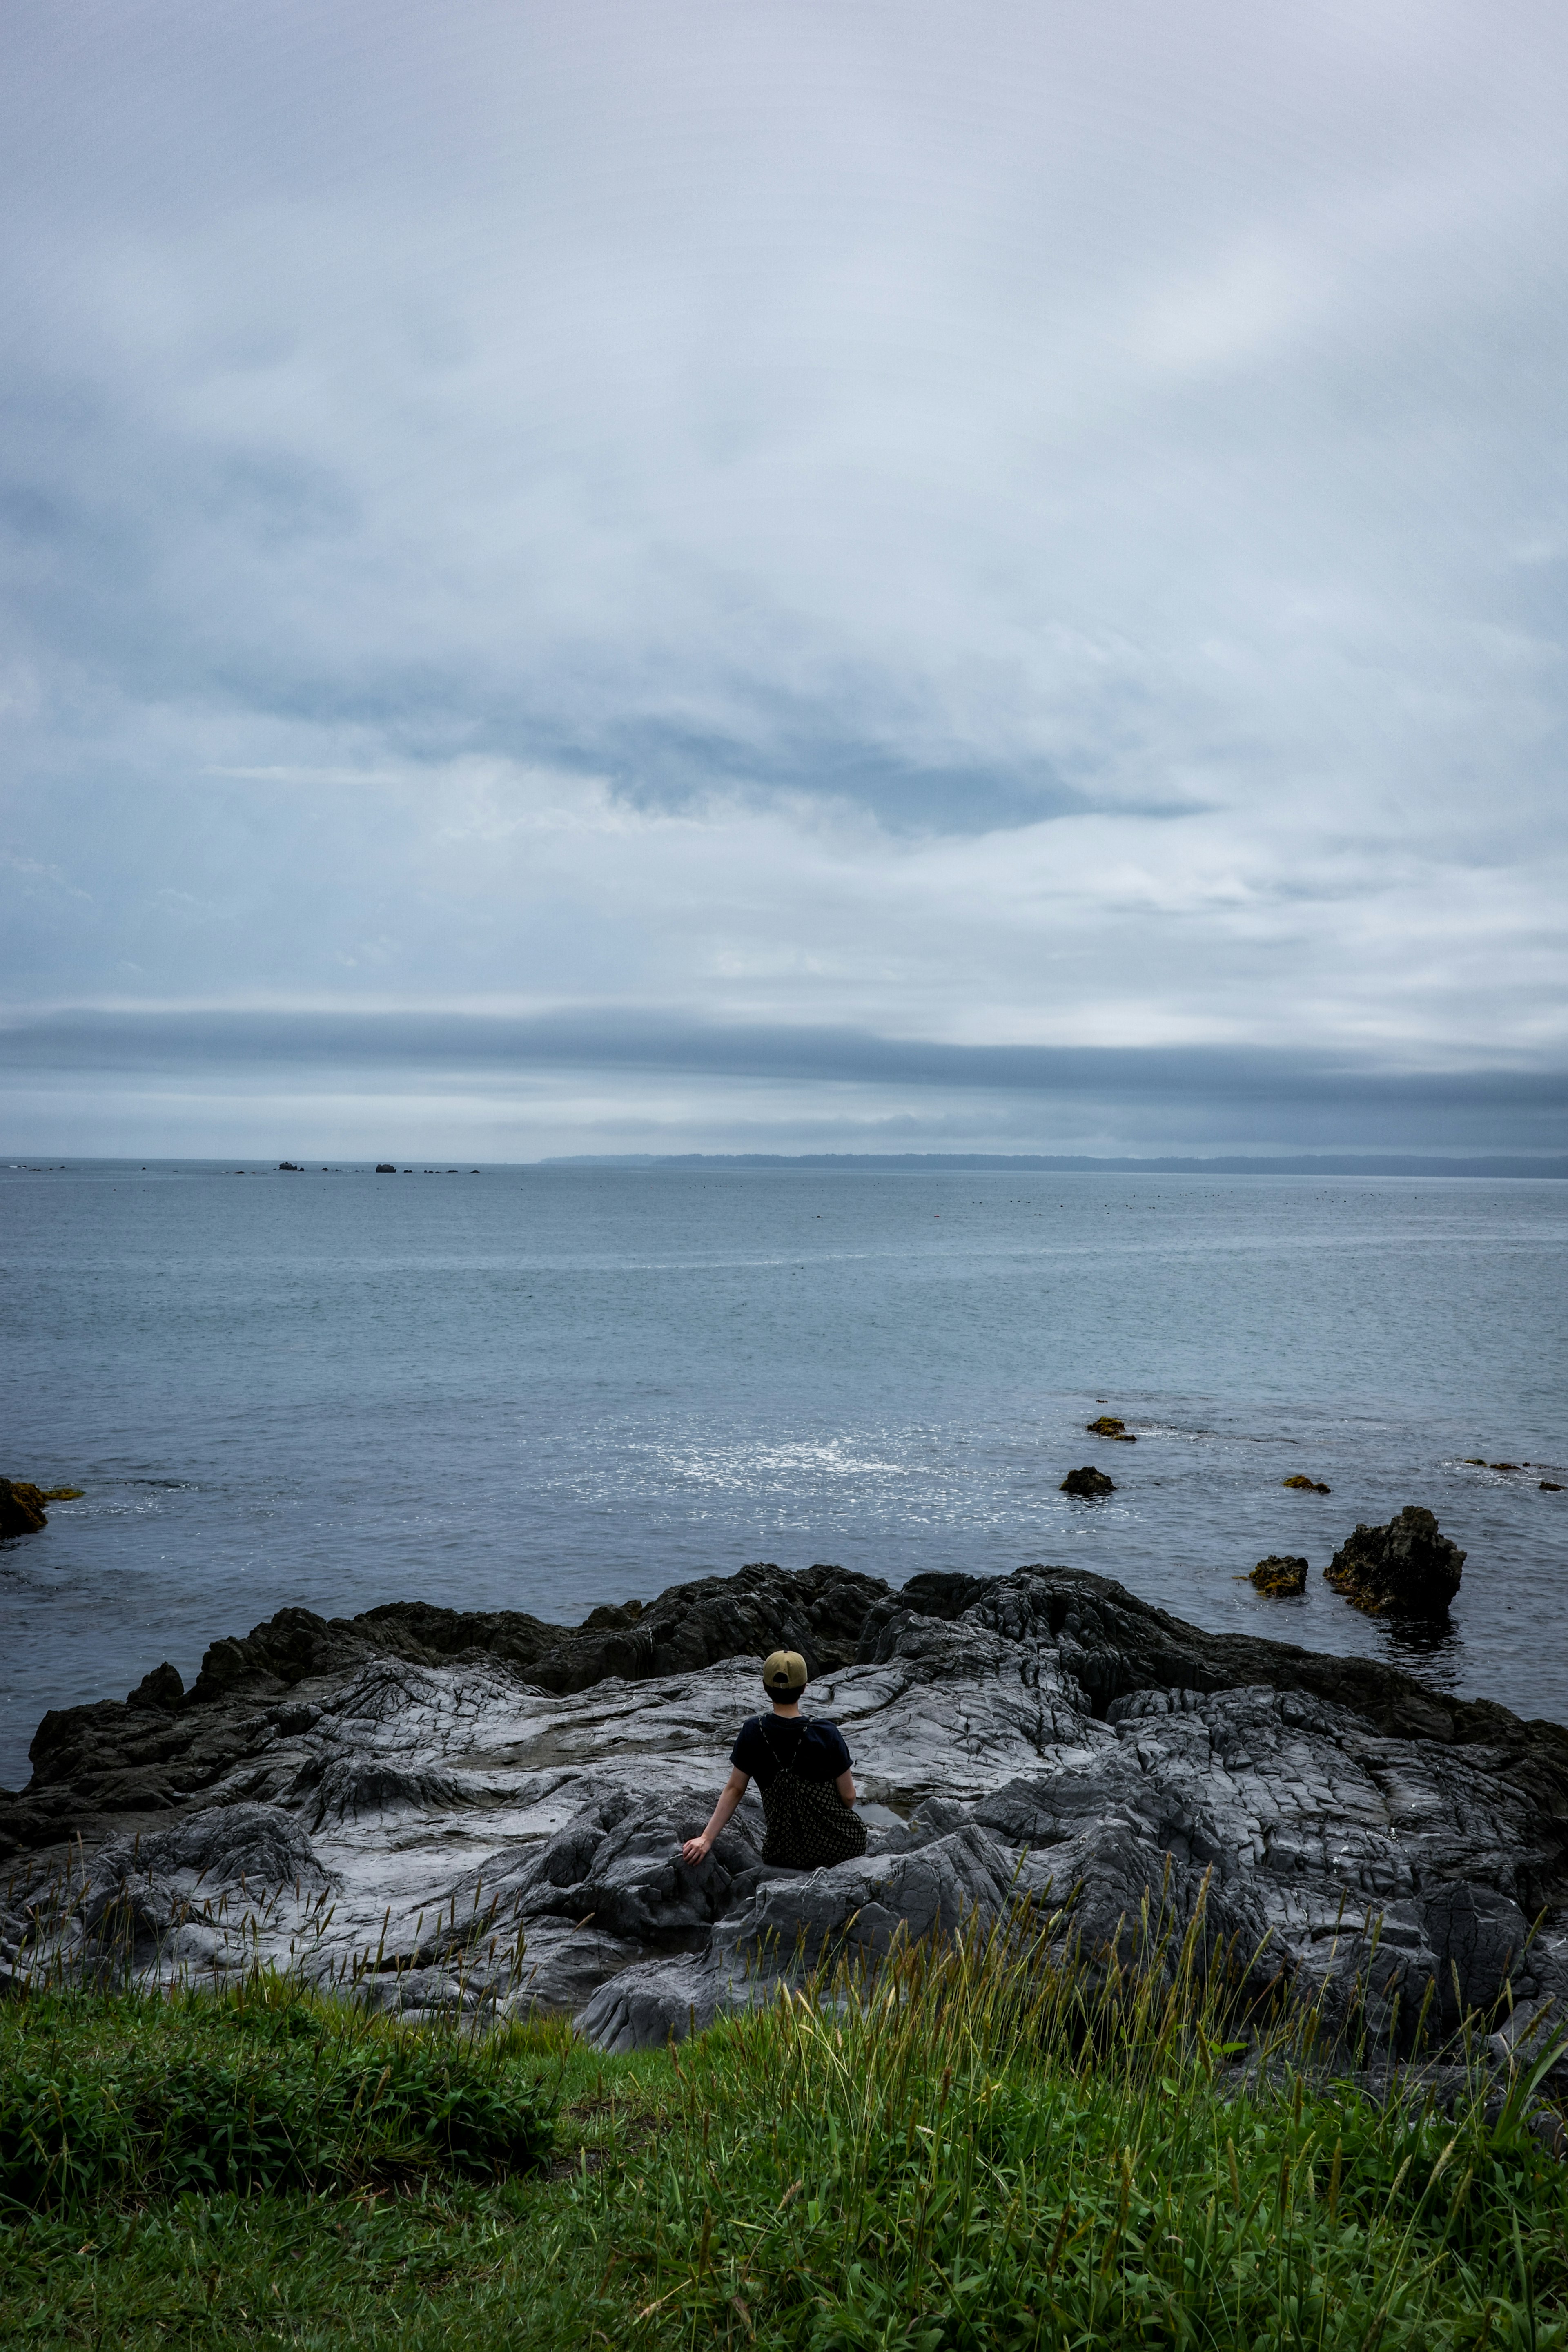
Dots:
pixel 545 1388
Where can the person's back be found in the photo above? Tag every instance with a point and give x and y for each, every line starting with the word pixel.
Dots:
pixel 802 1769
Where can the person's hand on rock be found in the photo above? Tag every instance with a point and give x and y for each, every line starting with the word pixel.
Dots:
pixel 694 1850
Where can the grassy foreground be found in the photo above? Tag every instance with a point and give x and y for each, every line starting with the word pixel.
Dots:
pixel 967 2151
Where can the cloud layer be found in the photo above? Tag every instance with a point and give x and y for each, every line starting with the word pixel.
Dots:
pixel 1048 533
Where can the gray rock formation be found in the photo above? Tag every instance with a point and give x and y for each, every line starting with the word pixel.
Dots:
pixel 433 1811
pixel 1404 1569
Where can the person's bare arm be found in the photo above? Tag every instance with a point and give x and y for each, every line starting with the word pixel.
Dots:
pixel 697 1849
pixel 845 1785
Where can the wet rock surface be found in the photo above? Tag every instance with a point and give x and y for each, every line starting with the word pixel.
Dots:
pixel 1283 1576
pixel 1406 1569
pixel 22 1509
pixel 1087 1481
pixel 402 1806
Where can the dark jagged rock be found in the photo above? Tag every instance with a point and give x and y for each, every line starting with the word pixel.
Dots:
pixel 1406 1569
pixel 151 1897
pixel 1280 1576
pixel 935 1592
pixel 159 1692
pixel 257 1846
pixel 22 1509
pixel 402 1806
pixel 611 1613
pixel 1479 1937
pixel 160 1748
pixel 818 1613
pixel 1303 1484
pixel 1087 1481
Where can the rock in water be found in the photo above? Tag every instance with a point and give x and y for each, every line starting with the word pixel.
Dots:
pixel 1110 1425
pixel 1282 1578
pixel 1303 1484
pixel 1087 1481
pixel 1404 1569
pixel 22 1509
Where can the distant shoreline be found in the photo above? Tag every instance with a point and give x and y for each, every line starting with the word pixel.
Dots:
pixel 1517 1165
pixel 1368 1163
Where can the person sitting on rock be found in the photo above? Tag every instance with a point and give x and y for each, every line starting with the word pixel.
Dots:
pixel 803 1767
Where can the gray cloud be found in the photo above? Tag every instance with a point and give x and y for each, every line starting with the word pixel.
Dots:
pixel 1124 1093
pixel 1050 535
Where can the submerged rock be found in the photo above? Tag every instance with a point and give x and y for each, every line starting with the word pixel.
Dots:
pixel 1406 1569
pixel 1279 1576
pixel 22 1509
pixel 1087 1481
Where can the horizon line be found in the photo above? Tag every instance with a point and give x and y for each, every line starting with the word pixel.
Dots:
pixel 1373 1164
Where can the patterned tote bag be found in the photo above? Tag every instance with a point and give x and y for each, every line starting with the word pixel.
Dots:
pixel 809 1823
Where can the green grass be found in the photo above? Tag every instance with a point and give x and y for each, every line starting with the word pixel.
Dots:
pixel 972 2150
pixel 268 2090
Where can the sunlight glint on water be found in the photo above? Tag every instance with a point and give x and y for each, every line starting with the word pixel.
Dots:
pixel 546 1388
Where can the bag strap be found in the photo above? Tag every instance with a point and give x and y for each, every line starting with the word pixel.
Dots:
pixel 784 1764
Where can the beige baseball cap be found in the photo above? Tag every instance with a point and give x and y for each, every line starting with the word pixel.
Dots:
pixel 784 1675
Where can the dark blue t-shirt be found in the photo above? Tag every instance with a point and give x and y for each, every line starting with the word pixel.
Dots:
pixel 810 1744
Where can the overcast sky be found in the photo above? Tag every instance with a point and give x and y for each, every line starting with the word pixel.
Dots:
pixel 793 577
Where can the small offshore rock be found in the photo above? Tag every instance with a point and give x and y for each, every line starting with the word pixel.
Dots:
pixel 385 1168
pixel 160 1691
pixel 64 1494
pixel 1304 1485
pixel 1549 1487
pixel 1282 1576
pixel 1406 1569
pixel 21 1511
pixel 289 1167
pixel 1108 1425
pixel 1503 1465
pixel 1087 1481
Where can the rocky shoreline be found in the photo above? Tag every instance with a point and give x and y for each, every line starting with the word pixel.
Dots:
pixel 435 1810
